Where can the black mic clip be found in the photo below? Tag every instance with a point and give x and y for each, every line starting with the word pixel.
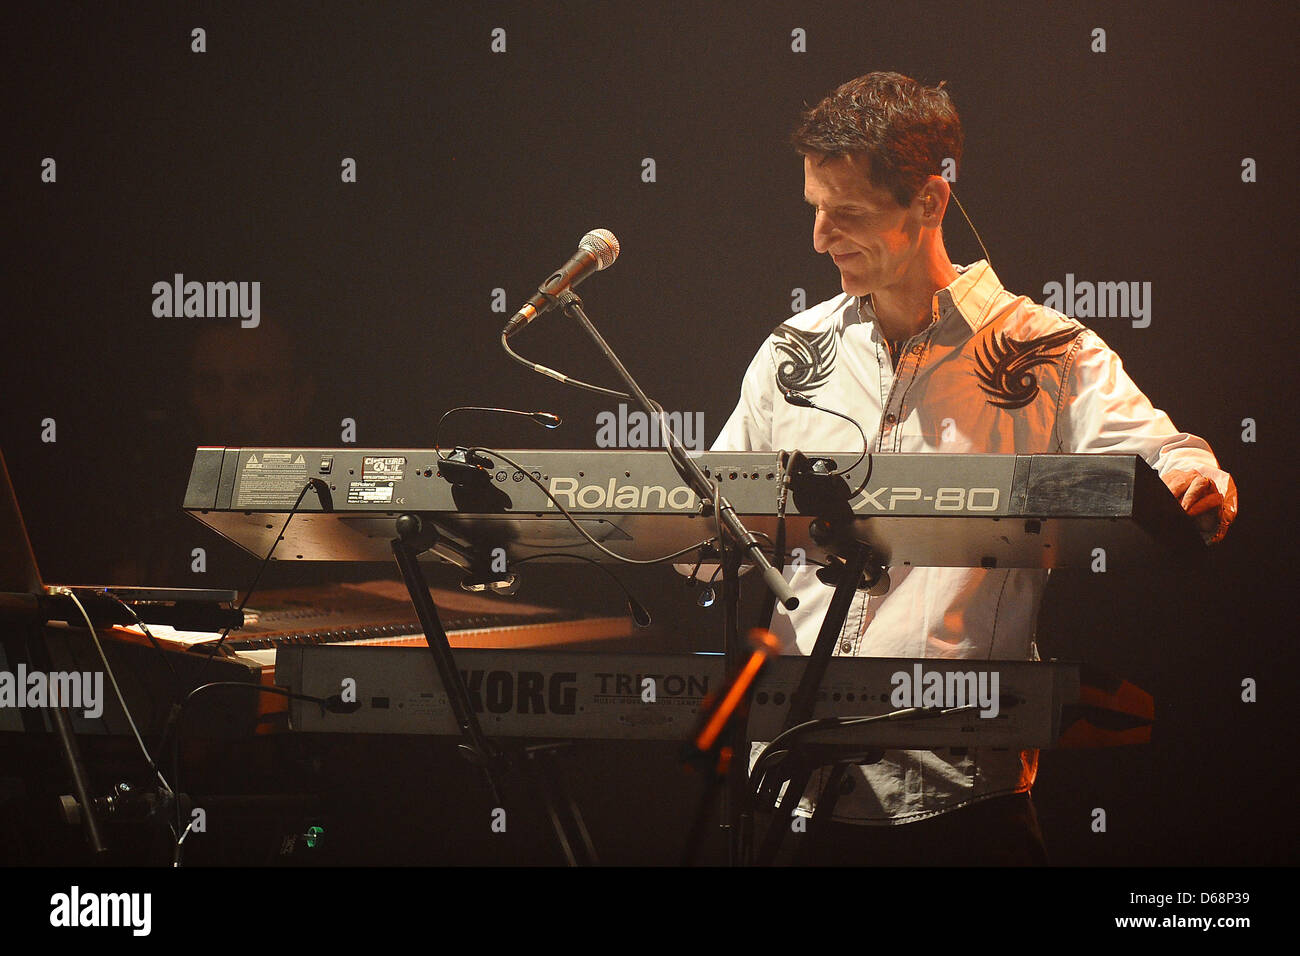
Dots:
pixel 465 468
pixel 802 466
pixel 874 578
pixel 476 582
pixel 487 571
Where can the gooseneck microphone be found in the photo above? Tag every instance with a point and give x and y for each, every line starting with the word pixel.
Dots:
pixel 597 250
pixel 803 401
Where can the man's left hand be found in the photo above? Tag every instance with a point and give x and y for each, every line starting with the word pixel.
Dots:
pixel 1201 499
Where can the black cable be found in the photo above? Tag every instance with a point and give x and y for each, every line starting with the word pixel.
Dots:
pixel 676 451
pixel 674 447
pixel 117 690
pixel 632 603
pixel 769 753
pixel 144 628
pixel 717 523
pixel 803 401
pixel 573 521
pixel 559 376
pixel 953 194
pixel 542 418
pixel 176 720
pixel 215 649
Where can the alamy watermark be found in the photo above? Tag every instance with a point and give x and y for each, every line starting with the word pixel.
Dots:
pixel 636 429
pixel 208 300
pixel 75 689
pixel 1084 299
pixel 922 688
pixel 76 908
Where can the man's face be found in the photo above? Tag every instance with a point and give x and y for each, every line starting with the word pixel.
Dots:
pixel 871 238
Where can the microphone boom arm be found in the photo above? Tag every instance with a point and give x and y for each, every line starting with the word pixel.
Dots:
pixel 685 465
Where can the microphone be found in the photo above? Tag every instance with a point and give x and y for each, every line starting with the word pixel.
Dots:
pixel 801 400
pixel 549 419
pixel 597 250
pixel 639 613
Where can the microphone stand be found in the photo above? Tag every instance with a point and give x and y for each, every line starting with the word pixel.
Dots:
pixel 828 498
pixel 735 810
pixel 686 466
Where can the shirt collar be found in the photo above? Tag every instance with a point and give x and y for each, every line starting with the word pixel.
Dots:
pixel 971 295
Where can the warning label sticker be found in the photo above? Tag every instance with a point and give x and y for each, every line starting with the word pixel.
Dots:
pixel 270 480
pixel 382 469
pixel 366 492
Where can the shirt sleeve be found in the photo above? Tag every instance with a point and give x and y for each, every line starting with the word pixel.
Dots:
pixel 750 426
pixel 1104 411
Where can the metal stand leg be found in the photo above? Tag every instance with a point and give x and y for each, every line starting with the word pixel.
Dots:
pixel 541 758
pixel 413 538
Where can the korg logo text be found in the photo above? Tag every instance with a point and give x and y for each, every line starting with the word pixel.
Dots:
pixel 525 692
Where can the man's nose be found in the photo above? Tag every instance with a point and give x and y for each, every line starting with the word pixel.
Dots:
pixel 822 232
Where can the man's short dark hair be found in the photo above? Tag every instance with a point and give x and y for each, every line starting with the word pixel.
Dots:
pixel 904 129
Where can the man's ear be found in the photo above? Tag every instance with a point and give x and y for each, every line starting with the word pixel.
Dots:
pixel 932 200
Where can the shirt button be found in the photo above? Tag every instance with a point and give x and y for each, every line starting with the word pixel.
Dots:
pixel 916 349
pixel 845 647
pixel 891 418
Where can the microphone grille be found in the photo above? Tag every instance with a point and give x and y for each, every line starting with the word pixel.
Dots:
pixel 601 244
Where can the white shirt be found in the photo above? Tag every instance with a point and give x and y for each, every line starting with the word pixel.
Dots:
pixel 992 373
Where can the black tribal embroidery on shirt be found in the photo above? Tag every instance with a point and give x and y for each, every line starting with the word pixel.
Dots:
pixel 1003 365
pixel 804 361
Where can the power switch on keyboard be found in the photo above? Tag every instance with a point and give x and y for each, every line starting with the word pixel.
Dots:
pixel 326 464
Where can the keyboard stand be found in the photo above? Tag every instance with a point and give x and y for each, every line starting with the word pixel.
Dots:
pixel 414 537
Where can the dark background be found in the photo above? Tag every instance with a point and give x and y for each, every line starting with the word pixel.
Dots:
pixel 480 170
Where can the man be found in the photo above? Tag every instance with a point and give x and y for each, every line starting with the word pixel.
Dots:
pixel 932 357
